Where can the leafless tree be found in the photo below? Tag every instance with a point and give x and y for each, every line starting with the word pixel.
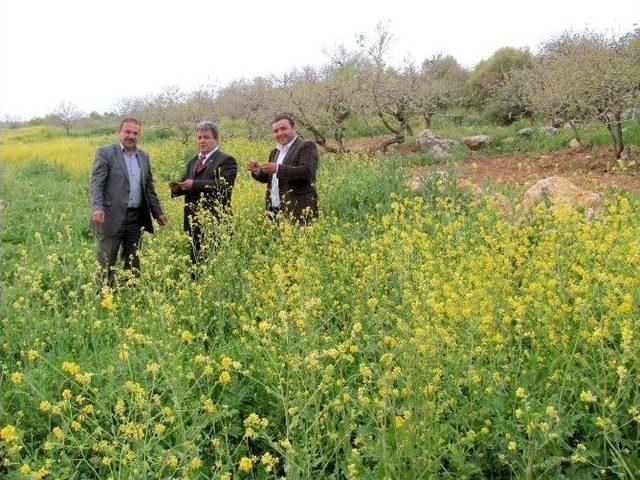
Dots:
pixel 67 115
pixel 585 75
pixel 251 100
pixel 441 84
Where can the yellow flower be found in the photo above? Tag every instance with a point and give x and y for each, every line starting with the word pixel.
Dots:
pixel 57 432
pixel 71 368
pixel 225 377
pixel 226 362
pixel 32 354
pixel 587 397
pixel 512 446
pixel 8 433
pixel 159 428
pixel 186 336
pixel 521 392
pixel 16 378
pixel 172 460
pixel 195 463
pixel 246 464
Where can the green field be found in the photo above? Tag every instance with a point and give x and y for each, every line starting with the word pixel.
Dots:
pixel 405 334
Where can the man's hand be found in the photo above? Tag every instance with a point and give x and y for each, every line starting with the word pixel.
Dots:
pixel 252 166
pixel 187 184
pixel 269 167
pixel 98 217
pixel 174 187
pixel 163 220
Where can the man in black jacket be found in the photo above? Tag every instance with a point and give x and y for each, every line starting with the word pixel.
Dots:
pixel 206 185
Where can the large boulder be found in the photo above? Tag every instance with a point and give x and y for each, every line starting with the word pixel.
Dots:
pixel 560 191
pixel 431 143
pixel 476 142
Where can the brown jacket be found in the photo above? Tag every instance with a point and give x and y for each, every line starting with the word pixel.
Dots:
pixel 296 180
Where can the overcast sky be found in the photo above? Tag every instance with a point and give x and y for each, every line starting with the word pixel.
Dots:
pixel 91 53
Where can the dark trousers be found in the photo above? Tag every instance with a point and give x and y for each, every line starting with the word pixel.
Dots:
pixel 127 242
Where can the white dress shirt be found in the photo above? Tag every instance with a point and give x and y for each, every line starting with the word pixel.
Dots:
pixel 282 152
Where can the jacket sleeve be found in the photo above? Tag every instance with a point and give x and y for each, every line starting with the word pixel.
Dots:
pixel 99 175
pixel 152 196
pixel 306 167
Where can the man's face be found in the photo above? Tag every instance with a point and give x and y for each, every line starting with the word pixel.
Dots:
pixel 283 132
pixel 206 141
pixel 129 134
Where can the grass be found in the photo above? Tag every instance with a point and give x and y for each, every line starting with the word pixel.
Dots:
pixel 404 334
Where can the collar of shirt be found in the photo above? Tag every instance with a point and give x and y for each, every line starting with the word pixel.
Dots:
pixel 285 148
pixel 128 152
pixel 206 157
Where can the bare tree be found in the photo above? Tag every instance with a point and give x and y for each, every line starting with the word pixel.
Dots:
pixel 585 75
pixel 391 93
pixel 441 83
pixel 67 115
pixel 251 100
pixel 323 100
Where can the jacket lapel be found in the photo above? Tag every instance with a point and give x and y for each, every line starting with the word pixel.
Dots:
pixel 294 147
pixel 121 161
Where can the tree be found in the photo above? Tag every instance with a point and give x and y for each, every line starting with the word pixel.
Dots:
pixel 441 83
pixel 66 115
pixel 251 100
pixel 488 79
pixel 323 100
pixel 585 75
pixel 391 93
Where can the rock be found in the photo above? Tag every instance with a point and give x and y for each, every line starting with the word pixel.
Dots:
pixel 548 129
pixel 496 198
pixel 526 132
pixel 431 143
pixel 559 191
pixel 416 182
pixel 476 142
pixel 575 145
pixel 557 122
pixel 632 113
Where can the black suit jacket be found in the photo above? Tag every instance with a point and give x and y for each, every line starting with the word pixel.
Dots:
pixel 296 180
pixel 212 185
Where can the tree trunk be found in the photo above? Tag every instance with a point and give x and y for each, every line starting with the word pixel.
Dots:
pixel 614 125
pixel 397 139
pixel 575 132
pixel 427 119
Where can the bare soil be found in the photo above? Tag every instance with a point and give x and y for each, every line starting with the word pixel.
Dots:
pixel 593 170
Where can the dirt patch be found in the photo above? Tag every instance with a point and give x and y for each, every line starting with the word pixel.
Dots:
pixel 591 171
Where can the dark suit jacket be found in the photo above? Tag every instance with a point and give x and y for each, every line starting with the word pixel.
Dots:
pixel 296 180
pixel 110 189
pixel 213 185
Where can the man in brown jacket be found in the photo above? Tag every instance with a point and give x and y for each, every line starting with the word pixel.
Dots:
pixel 290 174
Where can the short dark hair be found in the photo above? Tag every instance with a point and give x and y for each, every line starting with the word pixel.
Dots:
pixel 129 120
pixel 208 126
pixel 284 116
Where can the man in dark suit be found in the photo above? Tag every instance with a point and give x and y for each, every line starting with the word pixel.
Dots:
pixel 206 185
pixel 290 174
pixel 123 199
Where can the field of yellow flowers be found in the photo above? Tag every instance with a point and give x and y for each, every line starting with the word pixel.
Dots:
pixel 403 335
